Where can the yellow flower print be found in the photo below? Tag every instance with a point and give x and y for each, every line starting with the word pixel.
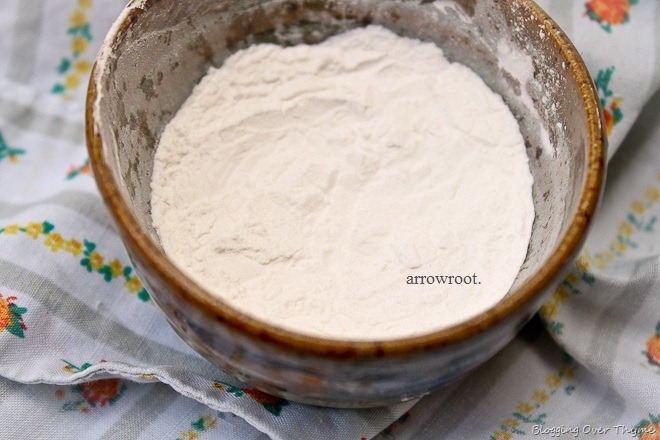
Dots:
pixel 625 229
pixel 607 256
pixel 96 261
pixel 619 246
pixel 560 294
pixel 652 194
pixel 134 285
pixel 79 44
pixel 54 241
pixel 82 66
pixel 572 278
pixel 552 380
pixel 638 207
pixel 211 423
pixel 511 422
pixel 92 260
pixel 583 262
pixel 12 229
pixel 549 309
pixel 568 371
pixel 73 247
pixel 528 412
pixel 78 18
pixel 189 435
pixel 524 407
pixel 34 229
pixel 72 81
pixel 540 396
pixel 75 67
pixel 502 435
pixel 116 267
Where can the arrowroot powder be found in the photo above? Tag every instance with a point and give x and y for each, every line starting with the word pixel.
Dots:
pixel 334 189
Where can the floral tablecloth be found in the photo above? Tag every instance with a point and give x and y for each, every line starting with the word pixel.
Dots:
pixel 84 353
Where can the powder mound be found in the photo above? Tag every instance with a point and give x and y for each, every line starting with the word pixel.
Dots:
pixel 304 185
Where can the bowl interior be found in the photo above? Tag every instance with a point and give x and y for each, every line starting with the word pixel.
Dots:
pixel 161 49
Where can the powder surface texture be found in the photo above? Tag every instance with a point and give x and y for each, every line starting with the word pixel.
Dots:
pixel 304 185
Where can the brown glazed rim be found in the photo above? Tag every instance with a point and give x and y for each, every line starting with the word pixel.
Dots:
pixel 141 245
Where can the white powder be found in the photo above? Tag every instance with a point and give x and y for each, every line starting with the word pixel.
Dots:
pixel 303 185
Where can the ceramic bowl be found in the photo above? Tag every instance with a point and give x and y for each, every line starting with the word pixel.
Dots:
pixel 159 49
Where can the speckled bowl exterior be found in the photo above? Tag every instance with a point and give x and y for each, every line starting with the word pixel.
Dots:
pixel 159 49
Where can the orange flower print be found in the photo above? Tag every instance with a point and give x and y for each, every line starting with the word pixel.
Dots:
pixel 611 104
pixel 650 432
pixel 97 393
pixel 648 428
pixel 653 347
pixel 5 316
pixel 612 115
pixel 272 404
pixel 74 171
pixel 101 392
pixel 11 316
pixel 609 12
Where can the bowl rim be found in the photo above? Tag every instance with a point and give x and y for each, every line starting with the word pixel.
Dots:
pixel 141 245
